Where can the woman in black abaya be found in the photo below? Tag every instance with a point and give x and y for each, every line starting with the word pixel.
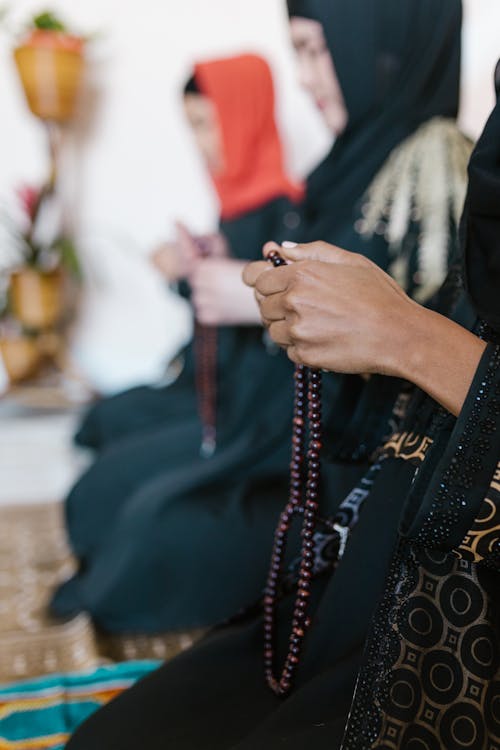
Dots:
pixel 386 89
pixel 163 534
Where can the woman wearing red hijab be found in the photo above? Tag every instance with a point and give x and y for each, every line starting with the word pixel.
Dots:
pixel 229 104
pixel 216 421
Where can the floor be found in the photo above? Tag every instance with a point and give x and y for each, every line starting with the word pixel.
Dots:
pixel 37 460
pixel 38 464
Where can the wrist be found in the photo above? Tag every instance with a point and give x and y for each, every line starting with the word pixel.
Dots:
pixel 421 341
pixel 406 343
pixel 249 313
pixel 440 357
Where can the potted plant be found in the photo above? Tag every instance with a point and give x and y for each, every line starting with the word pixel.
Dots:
pixel 38 256
pixel 19 351
pixel 50 62
pixel 38 279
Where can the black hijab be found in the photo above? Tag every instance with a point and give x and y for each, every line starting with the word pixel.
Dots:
pixel 481 226
pixel 398 63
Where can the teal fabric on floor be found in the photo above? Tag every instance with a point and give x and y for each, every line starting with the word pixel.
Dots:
pixel 42 714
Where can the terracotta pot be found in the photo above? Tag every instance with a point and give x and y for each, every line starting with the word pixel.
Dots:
pixel 50 65
pixel 21 357
pixel 37 299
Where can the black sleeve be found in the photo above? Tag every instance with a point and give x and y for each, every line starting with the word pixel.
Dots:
pixel 448 496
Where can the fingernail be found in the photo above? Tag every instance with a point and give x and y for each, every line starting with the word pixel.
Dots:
pixel 289 245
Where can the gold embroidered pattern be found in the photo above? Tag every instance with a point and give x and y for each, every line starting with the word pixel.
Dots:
pixel 443 690
pixel 408 446
pixel 483 540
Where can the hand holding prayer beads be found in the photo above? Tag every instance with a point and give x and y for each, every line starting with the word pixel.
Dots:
pixel 335 310
pixel 178 260
pixel 219 298
pixel 304 279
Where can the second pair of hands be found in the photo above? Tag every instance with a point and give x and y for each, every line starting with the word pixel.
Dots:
pixel 336 310
pixel 218 294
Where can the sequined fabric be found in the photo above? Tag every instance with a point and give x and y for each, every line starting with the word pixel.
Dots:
pixel 458 489
pixel 431 678
pixel 482 542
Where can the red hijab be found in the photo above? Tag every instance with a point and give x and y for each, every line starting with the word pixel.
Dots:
pixel 242 90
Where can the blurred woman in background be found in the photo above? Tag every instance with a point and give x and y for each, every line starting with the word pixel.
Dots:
pixel 214 420
pixel 163 534
pixel 229 104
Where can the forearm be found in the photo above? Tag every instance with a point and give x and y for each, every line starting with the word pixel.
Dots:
pixel 220 297
pixel 440 357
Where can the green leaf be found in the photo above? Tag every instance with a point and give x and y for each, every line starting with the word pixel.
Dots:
pixel 48 21
pixel 69 257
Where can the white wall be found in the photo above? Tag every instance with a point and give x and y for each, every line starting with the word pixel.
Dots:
pixel 132 167
pixel 481 53
pixel 138 168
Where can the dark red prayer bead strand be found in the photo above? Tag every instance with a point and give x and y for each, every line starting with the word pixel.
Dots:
pixel 304 500
pixel 206 378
